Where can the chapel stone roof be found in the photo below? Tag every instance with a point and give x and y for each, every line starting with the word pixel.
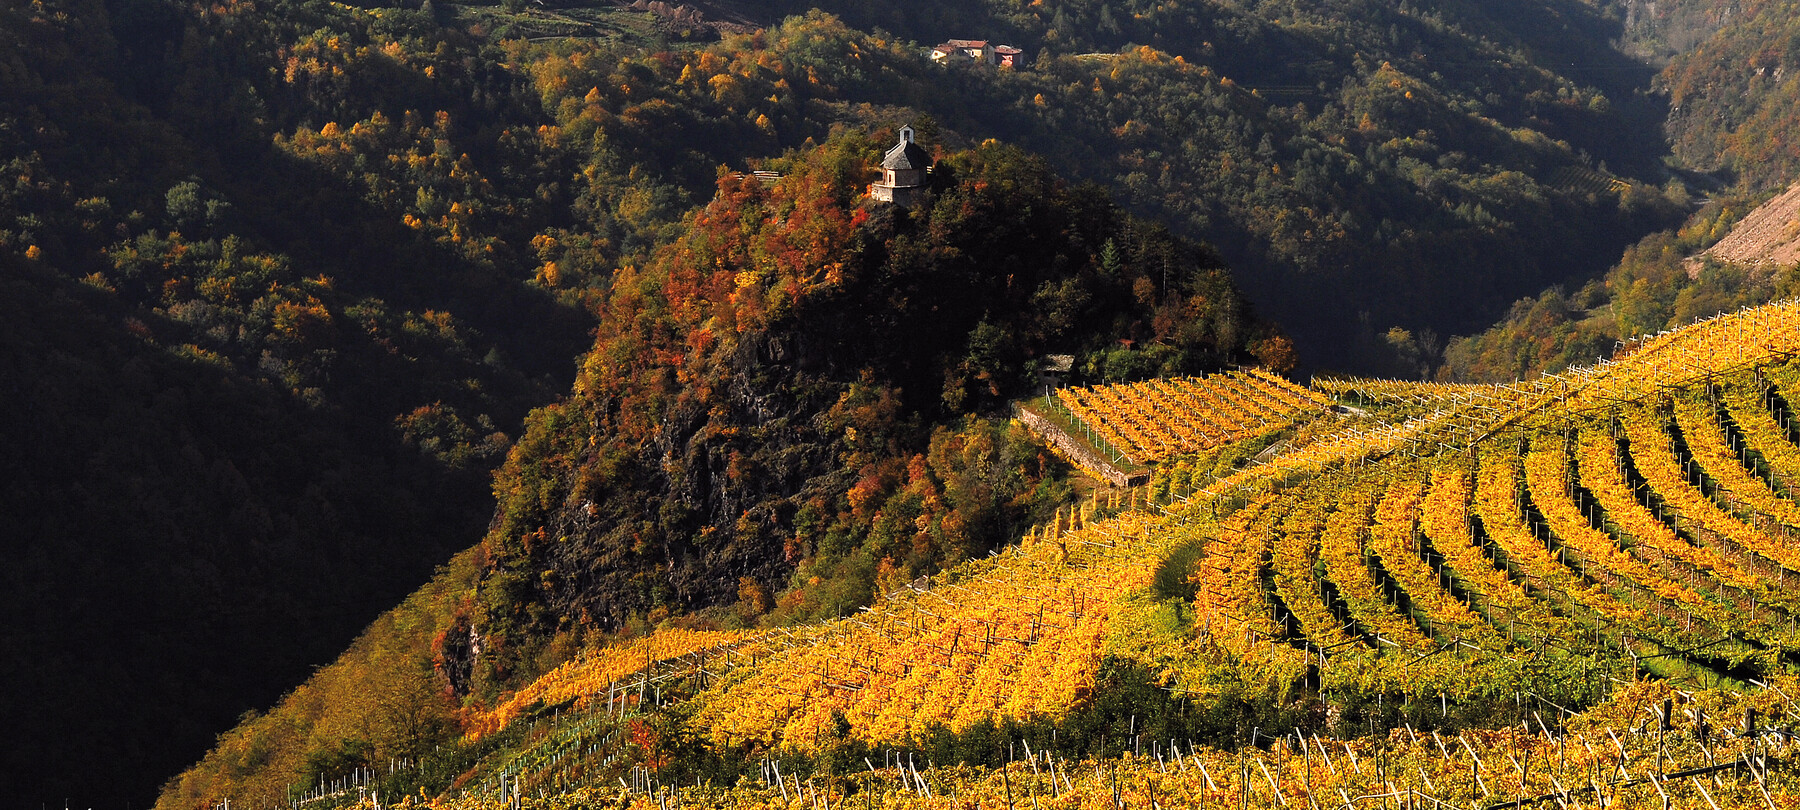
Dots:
pixel 906 154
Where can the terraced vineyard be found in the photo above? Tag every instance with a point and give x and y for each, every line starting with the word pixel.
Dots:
pixel 1151 421
pixel 1578 591
pixel 1017 636
pixel 1652 747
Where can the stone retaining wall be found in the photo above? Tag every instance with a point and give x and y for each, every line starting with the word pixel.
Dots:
pixel 1077 452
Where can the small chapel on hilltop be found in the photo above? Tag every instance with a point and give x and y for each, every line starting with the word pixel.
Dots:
pixel 903 172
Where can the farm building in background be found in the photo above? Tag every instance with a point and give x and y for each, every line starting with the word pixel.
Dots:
pixel 979 51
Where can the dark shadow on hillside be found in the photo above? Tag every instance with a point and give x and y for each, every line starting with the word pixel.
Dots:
pixel 185 543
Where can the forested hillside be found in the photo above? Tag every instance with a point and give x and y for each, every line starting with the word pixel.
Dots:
pixel 285 279
pixel 1732 112
pixel 245 408
pixel 1733 99
pixel 1338 156
pixel 1662 282
pixel 1334 152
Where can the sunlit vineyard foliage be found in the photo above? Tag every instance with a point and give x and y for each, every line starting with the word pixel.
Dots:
pixel 1151 421
pixel 1571 591
pixel 1017 636
pixel 1650 746
pixel 600 674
